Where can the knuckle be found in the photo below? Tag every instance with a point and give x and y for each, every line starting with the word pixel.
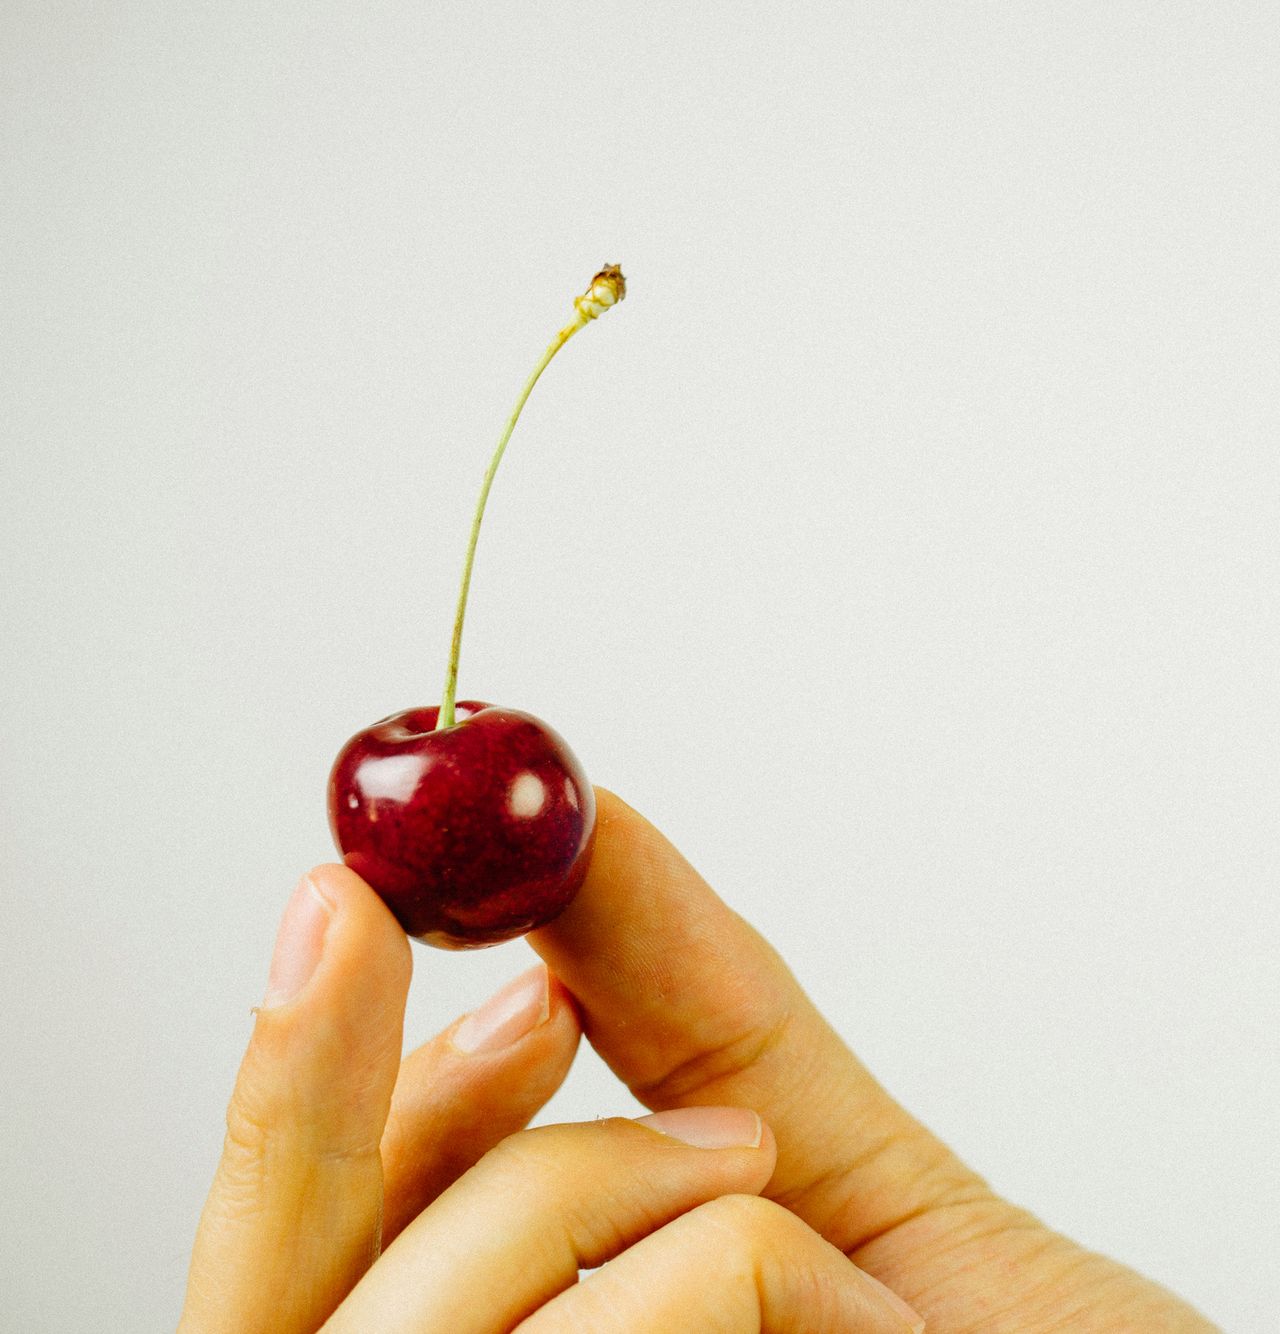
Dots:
pixel 519 1154
pixel 267 1122
pixel 545 1148
pixel 928 1179
pixel 749 1217
pixel 748 1038
pixel 253 1120
pixel 246 1164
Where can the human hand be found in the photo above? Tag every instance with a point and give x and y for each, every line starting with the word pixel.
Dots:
pixel 335 1147
pixel 689 1006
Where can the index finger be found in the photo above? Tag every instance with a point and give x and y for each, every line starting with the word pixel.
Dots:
pixel 689 1005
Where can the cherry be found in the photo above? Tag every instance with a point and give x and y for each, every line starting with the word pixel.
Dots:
pixel 474 823
pixel 472 833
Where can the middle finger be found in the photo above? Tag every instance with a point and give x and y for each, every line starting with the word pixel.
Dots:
pixel 515 1230
pixel 482 1079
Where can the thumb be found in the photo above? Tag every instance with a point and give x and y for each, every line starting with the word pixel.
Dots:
pixel 691 1006
pixel 294 1215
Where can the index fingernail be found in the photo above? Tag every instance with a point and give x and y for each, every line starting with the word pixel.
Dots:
pixel 299 944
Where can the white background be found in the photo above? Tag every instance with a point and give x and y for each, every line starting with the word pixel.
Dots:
pixel 905 546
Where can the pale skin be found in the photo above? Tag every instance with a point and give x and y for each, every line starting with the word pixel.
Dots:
pixel 782 1189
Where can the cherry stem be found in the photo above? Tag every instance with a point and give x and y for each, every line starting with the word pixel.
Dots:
pixel 607 288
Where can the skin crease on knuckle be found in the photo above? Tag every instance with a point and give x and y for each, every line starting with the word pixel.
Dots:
pixel 735 1228
pixel 728 1058
pixel 562 1164
pixel 996 1269
pixel 759 1247
pixel 557 1173
pixel 260 1125
pixel 927 1179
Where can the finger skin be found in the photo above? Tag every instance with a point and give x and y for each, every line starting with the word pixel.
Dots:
pixel 995 1269
pixel 688 1004
pixel 737 1265
pixel 293 1218
pixel 516 1229
pixel 451 1107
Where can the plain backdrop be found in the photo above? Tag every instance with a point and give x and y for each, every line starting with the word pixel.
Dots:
pixel 905 546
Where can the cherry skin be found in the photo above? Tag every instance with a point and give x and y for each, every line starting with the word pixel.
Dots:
pixel 471 834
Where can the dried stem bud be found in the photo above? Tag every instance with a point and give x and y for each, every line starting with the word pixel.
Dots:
pixel 607 288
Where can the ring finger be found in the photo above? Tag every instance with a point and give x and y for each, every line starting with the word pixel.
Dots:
pixel 736 1263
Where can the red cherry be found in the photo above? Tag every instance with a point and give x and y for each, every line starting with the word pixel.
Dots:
pixel 472 833
pixel 474 823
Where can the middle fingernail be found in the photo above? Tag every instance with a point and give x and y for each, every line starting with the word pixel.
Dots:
pixel 507 1016
pixel 709 1127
